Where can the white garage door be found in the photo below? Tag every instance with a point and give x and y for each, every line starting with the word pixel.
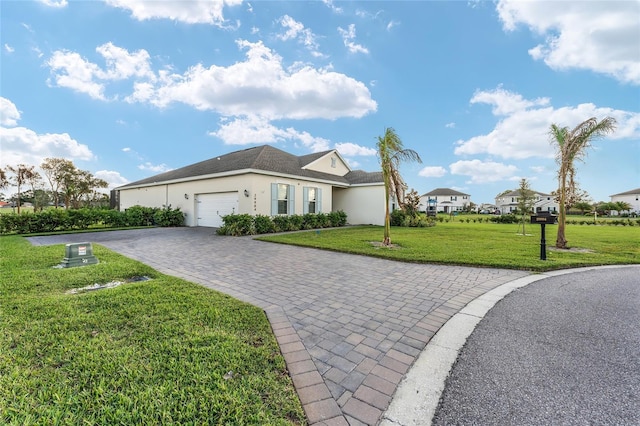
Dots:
pixel 211 207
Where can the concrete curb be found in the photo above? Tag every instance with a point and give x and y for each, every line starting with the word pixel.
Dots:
pixel 416 398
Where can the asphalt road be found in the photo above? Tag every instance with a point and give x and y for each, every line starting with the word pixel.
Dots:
pixel 561 351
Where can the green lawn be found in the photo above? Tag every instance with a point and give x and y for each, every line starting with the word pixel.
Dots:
pixel 481 244
pixel 153 352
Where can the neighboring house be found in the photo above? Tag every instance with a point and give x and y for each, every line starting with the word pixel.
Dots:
pixel 261 181
pixel 444 200
pixel 632 197
pixel 508 202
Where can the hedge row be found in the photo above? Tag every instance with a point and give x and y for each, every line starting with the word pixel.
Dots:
pixel 246 224
pixel 52 220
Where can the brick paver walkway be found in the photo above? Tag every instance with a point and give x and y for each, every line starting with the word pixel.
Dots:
pixel 349 326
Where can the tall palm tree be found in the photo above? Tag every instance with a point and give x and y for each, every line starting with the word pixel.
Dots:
pixel 571 145
pixel 391 153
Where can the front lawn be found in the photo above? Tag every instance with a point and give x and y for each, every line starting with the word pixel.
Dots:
pixel 163 351
pixel 481 244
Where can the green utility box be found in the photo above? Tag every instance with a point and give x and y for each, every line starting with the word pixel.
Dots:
pixel 78 254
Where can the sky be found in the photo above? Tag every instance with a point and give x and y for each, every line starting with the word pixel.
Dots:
pixel 127 89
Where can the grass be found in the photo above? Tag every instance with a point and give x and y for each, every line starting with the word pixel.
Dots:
pixel 153 352
pixel 480 244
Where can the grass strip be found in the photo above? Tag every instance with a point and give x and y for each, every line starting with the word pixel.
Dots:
pixel 152 352
pixel 480 244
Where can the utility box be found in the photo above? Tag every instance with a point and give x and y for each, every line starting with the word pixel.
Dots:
pixel 78 254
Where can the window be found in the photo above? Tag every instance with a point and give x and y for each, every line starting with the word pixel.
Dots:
pixel 454 198
pixel 311 200
pixel 282 199
pixel 333 162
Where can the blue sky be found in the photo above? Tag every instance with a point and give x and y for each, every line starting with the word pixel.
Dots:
pixel 129 89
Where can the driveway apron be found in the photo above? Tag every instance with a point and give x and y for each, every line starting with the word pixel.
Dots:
pixel 349 326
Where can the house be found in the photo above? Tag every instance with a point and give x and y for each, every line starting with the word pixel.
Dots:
pixel 444 200
pixel 507 202
pixel 261 181
pixel 632 197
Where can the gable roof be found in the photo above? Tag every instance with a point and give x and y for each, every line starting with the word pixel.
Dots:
pixel 261 158
pixel 632 192
pixel 516 193
pixel 443 191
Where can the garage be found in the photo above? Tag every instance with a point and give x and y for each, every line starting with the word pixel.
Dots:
pixel 211 207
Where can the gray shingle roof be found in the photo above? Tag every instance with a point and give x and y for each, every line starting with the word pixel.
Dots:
pixel 443 191
pixel 516 193
pixel 265 158
pixel 632 192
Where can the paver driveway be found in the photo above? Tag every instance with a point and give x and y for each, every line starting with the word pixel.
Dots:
pixel 348 326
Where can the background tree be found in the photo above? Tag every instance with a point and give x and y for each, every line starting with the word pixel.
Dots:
pixel 391 153
pixel 35 180
pixel 412 203
pixel 583 206
pixel 621 206
pixel 21 175
pixel 4 180
pixel 55 170
pixel 526 200
pixel 571 145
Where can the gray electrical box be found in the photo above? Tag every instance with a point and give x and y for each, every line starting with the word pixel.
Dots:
pixel 78 254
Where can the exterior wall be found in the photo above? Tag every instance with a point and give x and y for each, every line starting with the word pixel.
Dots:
pixel 451 202
pixel 543 202
pixel 323 164
pixel 183 195
pixel 633 199
pixel 363 205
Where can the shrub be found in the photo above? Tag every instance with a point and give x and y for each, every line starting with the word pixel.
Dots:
pixel 397 217
pixel 309 221
pixel 339 218
pixel 168 217
pixel 505 218
pixel 139 216
pixel 263 224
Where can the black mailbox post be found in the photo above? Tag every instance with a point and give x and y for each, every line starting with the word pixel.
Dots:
pixel 543 218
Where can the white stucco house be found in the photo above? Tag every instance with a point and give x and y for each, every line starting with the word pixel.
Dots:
pixel 507 202
pixel 261 181
pixel 632 197
pixel 444 200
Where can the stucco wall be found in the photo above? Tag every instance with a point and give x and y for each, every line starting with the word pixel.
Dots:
pixel 258 201
pixel 323 164
pixel 633 199
pixel 364 205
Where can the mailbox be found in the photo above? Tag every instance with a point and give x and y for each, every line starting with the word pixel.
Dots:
pixel 78 254
pixel 544 218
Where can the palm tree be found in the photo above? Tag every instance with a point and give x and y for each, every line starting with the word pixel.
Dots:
pixel 571 145
pixel 391 153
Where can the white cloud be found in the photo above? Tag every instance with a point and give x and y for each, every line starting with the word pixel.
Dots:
pixel 258 130
pixel 451 125
pixel 113 178
pixel 22 145
pixel 432 171
pixel 523 131
pixel 602 36
pixel 482 171
pixel 332 6
pixel 71 70
pixel 126 149
pixel 349 149
pixel 348 36
pixel 260 86
pixel 189 12
pixel 295 30
pixel 392 24
pixel 55 3
pixel 9 114
pixel 156 168
pixel 8 48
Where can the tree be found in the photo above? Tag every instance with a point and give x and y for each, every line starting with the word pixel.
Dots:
pixel 526 200
pixel 583 206
pixel 571 145
pixel 391 153
pixel 21 175
pixel 55 170
pixel 412 203
pixel 621 206
pixel 4 180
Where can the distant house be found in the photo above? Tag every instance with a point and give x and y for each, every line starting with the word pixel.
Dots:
pixel 632 197
pixel 261 181
pixel 508 202
pixel 444 200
